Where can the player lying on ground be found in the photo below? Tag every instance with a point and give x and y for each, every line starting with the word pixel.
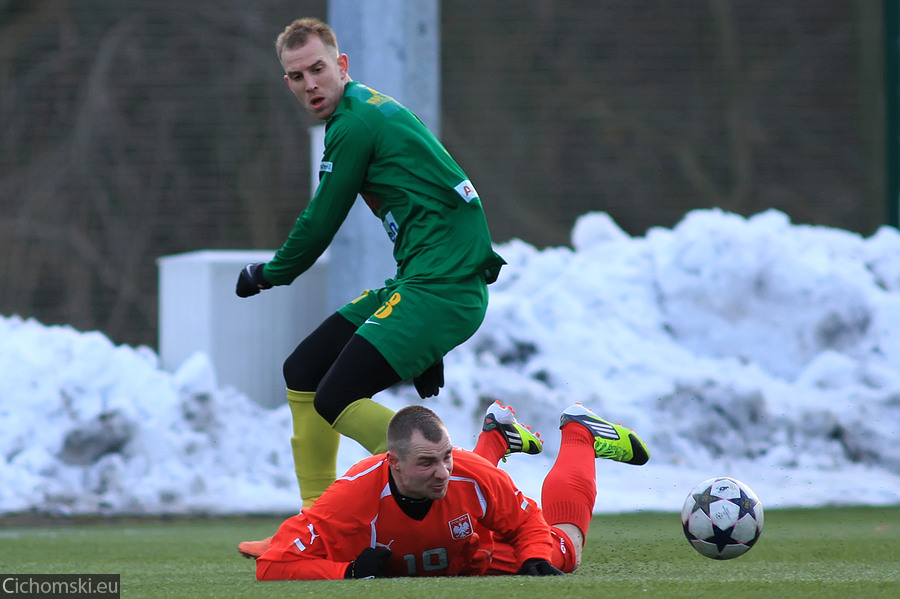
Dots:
pixel 425 508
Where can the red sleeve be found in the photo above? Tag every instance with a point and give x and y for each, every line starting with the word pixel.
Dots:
pixel 297 552
pixel 306 569
pixel 319 542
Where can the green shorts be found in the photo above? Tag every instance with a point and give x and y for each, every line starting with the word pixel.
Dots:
pixel 414 324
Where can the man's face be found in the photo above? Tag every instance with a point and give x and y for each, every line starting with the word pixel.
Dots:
pixel 425 472
pixel 316 75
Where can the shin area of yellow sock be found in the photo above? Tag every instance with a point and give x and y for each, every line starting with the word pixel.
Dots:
pixel 314 445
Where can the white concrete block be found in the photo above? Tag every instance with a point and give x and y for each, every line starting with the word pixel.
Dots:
pixel 247 339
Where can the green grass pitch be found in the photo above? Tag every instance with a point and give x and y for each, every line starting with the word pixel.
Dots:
pixel 840 552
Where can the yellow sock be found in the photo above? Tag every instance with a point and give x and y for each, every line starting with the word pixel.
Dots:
pixel 366 422
pixel 315 447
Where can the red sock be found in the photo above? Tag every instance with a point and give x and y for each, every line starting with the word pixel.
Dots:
pixel 491 446
pixel 570 488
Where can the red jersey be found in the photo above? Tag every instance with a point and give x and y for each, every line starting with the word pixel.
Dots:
pixel 483 511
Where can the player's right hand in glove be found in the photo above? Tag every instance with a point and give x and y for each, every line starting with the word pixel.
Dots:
pixel 536 566
pixel 368 564
pixel 251 280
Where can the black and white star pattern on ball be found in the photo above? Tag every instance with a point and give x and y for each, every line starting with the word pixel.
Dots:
pixel 746 504
pixel 702 500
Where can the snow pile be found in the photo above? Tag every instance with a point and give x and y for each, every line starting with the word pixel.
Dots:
pixel 89 427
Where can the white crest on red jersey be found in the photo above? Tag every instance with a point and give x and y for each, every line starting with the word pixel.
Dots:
pixel 461 527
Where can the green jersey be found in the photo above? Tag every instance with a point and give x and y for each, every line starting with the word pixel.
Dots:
pixel 376 148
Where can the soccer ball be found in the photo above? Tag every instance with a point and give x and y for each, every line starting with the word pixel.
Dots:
pixel 722 518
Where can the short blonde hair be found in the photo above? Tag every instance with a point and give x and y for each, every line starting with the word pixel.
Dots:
pixel 299 32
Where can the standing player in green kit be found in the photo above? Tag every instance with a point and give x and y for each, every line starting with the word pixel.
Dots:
pixel 376 148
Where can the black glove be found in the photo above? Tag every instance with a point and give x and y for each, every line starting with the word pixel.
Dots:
pixel 251 280
pixel 368 564
pixel 535 566
pixel 430 382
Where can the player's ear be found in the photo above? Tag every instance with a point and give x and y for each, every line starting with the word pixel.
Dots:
pixel 343 65
pixel 393 458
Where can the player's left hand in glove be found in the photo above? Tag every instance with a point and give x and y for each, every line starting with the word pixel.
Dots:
pixel 369 563
pixel 430 382
pixel 536 566
pixel 251 280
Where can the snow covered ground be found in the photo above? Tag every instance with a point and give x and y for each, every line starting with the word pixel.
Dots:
pixel 752 348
